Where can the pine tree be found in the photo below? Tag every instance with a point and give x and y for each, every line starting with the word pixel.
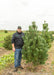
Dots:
pixel 46 34
pixel 35 47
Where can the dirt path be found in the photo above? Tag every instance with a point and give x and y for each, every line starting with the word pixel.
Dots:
pixel 46 69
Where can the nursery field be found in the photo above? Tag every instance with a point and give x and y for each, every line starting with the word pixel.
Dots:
pixel 7 65
pixel 7 62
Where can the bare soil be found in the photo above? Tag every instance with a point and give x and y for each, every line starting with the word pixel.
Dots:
pixel 3 51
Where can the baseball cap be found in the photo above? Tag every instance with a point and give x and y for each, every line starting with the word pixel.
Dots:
pixel 19 27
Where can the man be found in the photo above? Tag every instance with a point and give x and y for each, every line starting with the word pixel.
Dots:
pixel 17 44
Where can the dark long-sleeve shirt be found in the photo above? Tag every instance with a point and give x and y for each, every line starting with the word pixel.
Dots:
pixel 17 39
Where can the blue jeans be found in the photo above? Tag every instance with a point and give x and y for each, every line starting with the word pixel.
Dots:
pixel 17 57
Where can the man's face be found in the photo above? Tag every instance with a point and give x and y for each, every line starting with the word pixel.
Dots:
pixel 19 30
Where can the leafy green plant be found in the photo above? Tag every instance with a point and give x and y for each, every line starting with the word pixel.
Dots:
pixel 6 59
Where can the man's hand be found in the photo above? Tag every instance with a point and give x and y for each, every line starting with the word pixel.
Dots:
pixel 13 49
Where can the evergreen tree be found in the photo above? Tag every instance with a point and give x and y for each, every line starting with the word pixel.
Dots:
pixel 46 34
pixel 35 47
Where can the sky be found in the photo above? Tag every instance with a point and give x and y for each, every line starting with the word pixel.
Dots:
pixel 15 13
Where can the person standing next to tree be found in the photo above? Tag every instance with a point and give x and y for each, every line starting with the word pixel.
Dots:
pixel 17 44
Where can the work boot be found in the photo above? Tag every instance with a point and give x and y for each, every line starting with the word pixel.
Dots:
pixel 21 67
pixel 16 69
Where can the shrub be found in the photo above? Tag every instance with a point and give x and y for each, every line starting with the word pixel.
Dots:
pixel 35 46
pixel 7 42
pixel 6 31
